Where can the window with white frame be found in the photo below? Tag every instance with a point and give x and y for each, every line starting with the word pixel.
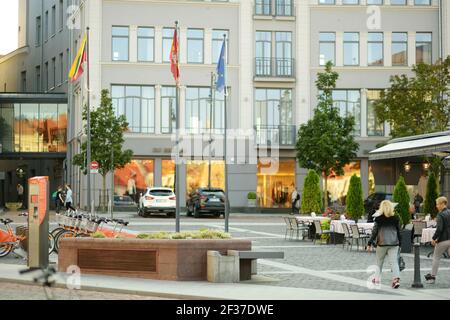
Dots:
pixel 351 48
pixel 195 45
pixel 120 43
pixel 399 49
pixel 375 127
pixel 424 47
pixel 146 44
pixel 327 47
pixel 349 104
pixel 375 49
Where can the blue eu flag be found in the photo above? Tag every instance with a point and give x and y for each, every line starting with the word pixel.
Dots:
pixel 220 84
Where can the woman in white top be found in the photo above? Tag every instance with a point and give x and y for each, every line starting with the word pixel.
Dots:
pixel 68 200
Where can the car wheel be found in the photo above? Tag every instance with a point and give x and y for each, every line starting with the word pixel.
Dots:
pixel 171 214
pixel 196 213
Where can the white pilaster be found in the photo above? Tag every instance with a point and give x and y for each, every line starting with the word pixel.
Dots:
pixel 338 2
pixel 387 2
pixel 158 109
pixel 363 112
pixel 363 49
pixel 339 49
pixel 182 106
pixel 93 18
pixel 208 46
pixel 158 44
pixel 183 45
pixel 133 43
pixel 387 49
pixel 302 101
pixel 446 27
pixel 411 48
pixel 410 2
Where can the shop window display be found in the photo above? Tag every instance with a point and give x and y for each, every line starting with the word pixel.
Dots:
pixel 338 185
pixel 197 175
pixel 134 178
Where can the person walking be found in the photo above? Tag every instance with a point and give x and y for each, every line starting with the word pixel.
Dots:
pixel 68 200
pixel 441 237
pixel 20 195
pixel 295 198
pixel 59 199
pixel 386 237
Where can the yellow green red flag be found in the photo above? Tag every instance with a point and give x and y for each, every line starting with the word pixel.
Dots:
pixel 77 67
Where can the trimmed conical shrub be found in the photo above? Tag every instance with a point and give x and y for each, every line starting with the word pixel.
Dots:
pixel 355 201
pixel 431 196
pixel 312 196
pixel 401 196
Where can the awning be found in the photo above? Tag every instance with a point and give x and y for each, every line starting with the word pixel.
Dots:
pixel 435 144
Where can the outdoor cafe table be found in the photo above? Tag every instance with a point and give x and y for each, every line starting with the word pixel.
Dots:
pixel 336 225
pixel 427 235
pixel 311 219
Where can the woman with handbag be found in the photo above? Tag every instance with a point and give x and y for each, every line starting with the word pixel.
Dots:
pixel 386 237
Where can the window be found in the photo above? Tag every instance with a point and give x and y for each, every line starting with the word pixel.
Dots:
pixel 23 81
pixel 274 189
pixel 61 68
pixel 217 42
pixel 350 1
pixel 46 26
pixel 146 43
pixel 422 2
pixel 423 47
pixel 38 31
pixel 139 174
pixel 283 53
pixel 195 46
pixel 53 20
pixel 399 49
pixel 54 72
pixel 137 103
pixel 263 7
pixel 349 104
pixel 351 48
pixel 327 47
pixel 398 2
pixel 167 43
pixel 374 126
pixel 168 109
pixel 326 1
pixel 120 43
pixel 370 2
pixel 197 109
pixel 61 15
pixel 68 62
pixel 263 53
pixel 284 7
pixel 46 81
pixel 38 79
pixel 375 49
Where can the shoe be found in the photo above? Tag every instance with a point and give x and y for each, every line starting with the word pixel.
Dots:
pixel 430 279
pixel 396 283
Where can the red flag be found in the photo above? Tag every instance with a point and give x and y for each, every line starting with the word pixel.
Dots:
pixel 174 58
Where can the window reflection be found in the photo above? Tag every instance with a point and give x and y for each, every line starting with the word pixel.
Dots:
pixel 134 178
pixel 197 175
pixel 338 185
pixel 274 187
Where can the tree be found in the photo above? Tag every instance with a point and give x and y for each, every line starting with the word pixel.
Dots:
pixel 106 141
pixel 431 195
pixel 401 197
pixel 355 201
pixel 312 196
pixel 419 104
pixel 326 143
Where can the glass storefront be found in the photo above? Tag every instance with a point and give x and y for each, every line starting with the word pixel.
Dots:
pixel 168 174
pixel 274 189
pixel 33 127
pixel 134 178
pixel 197 175
pixel 338 185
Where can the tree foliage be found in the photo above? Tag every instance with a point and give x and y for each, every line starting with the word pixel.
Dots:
pixel 312 196
pixel 419 104
pixel 355 201
pixel 401 197
pixel 326 143
pixel 106 140
pixel 431 195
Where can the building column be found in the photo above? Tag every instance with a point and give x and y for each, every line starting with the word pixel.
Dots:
pixel 158 44
pixel 363 36
pixel 446 27
pixel 183 44
pixel 387 50
pixel 182 100
pixel 208 46
pixel 158 109
pixel 365 177
pixel 410 2
pixel 133 43
pixel 302 110
pixel 157 172
pixel 411 48
pixel 363 112
pixel 339 49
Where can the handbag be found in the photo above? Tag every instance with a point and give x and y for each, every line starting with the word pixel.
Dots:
pixel 401 262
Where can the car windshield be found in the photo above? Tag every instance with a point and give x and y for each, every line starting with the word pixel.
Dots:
pixel 160 192
pixel 122 198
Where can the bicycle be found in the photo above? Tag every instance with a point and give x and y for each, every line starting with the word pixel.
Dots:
pixel 9 241
pixel 45 278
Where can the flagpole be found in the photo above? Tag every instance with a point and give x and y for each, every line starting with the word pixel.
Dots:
pixel 227 203
pixel 88 151
pixel 213 98
pixel 177 159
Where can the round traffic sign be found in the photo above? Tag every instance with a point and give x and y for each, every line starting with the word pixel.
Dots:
pixel 94 165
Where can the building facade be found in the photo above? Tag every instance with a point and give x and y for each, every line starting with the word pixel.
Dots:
pixel 275 50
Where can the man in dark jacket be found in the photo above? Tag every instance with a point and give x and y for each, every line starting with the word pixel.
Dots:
pixel 441 238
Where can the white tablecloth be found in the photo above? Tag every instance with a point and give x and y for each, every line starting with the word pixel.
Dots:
pixel 311 219
pixel 427 235
pixel 336 225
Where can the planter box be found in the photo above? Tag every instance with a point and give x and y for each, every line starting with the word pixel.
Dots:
pixel 152 259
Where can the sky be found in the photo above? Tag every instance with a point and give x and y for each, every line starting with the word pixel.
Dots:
pixel 8 25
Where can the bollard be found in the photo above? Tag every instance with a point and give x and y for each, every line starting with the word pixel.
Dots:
pixel 417 282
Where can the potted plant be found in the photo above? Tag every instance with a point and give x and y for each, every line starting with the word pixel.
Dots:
pixel 251 199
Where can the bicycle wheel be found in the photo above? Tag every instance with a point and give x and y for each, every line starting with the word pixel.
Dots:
pixel 5 249
pixel 57 231
pixel 62 235
pixel 51 243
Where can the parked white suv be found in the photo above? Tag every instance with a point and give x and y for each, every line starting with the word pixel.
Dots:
pixel 157 200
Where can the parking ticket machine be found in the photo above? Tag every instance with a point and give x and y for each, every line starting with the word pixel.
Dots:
pixel 38 206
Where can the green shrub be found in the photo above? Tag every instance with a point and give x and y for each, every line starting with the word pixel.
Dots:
pixel 312 195
pixel 355 202
pixel 202 234
pixel 401 196
pixel 431 196
pixel 326 225
pixel 251 196
pixel 98 235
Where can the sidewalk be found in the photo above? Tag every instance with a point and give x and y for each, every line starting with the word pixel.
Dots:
pixel 205 290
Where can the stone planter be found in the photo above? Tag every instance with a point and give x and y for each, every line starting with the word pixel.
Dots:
pixel 151 259
pixel 251 203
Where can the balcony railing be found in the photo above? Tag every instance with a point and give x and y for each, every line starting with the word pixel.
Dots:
pixel 274 67
pixel 282 135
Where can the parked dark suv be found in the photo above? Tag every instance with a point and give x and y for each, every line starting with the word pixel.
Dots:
pixel 372 203
pixel 204 200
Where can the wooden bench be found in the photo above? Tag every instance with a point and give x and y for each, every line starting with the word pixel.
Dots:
pixel 247 261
